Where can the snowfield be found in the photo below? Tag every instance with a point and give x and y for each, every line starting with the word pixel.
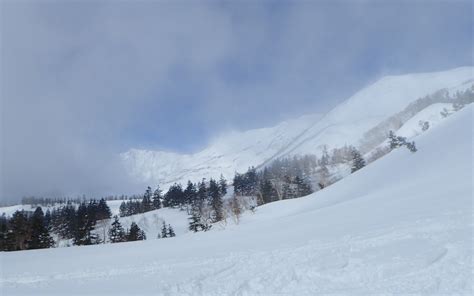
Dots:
pixel 402 225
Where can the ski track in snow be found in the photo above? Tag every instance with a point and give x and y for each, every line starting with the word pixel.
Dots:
pixel 396 260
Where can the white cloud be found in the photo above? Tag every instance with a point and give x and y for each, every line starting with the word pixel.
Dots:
pixel 77 76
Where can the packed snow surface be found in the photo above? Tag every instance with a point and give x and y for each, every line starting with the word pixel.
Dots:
pixel 345 124
pixel 401 225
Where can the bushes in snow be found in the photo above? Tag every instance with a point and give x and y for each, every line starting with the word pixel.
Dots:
pixel 358 161
pixel 397 141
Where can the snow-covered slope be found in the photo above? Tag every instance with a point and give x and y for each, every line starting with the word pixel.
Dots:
pixel 402 225
pixel 431 114
pixel 150 222
pixel 343 125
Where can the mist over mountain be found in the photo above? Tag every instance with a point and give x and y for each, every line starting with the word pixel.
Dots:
pixel 84 82
pixel 346 124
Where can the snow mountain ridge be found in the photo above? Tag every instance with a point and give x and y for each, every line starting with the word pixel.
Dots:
pixel 345 124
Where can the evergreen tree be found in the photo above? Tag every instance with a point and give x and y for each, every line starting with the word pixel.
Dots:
pixel 287 191
pixel 141 235
pixel 69 221
pixel 444 113
pixel 215 201
pixel 64 221
pixel 267 191
pixel 250 182
pixel 302 188
pixel 174 197
pixel 116 232
pixel 425 125
pixel 222 185
pixel 324 161
pixel 123 209
pixel 199 206
pixel 238 184
pixel 164 231
pixel 18 235
pixel 3 232
pixel 135 233
pixel 11 241
pixel 157 198
pixel 92 212
pixel 195 222
pixel 411 146
pixel 92 217
pixel 396 142
pixel 393 140
pixel 202 193
pixel 190 195
pixel 147 204
pixel 358 161
pixel 103 210
pixel 171 231
pixel 47 219
pixel 85 225
pixel 40 237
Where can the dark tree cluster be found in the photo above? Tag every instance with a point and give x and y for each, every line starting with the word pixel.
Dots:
pixel 280 180
pixel 135 233
pixel 166 231
pixel 25 231
pixel 287 174
pixel 397 141
pixel 150 201
pixel 358 161
pixel 205 203
pixel 49 201
pixel 116 232
pixel 69 222
pixel 246 184
pixel 118 235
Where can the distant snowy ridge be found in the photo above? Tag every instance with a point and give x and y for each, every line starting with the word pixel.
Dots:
pixel 345 124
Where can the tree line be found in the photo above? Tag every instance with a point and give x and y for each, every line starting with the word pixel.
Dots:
pixel 51 201
pixel 284 178
pixel 24 231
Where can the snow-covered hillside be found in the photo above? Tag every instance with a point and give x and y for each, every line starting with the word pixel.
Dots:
pixel 401 225
pixel 345 124
pixel 151 222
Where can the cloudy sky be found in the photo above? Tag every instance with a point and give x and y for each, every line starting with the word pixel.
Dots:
pixel 84 81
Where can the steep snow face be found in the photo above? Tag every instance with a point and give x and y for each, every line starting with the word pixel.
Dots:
pixel 306 135
pixel 402 225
